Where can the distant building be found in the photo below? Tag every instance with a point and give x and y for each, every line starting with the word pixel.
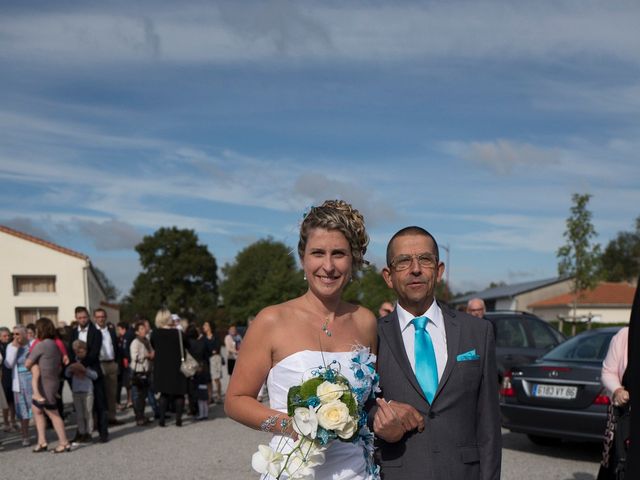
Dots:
pixel 520 295
pixel 41 279
pixel 607 303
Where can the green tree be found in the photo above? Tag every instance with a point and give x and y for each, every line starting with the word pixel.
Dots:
pixel 579 258
pixel 110 289
pixel 621 257
pixel 177 272
pixel 369 289
pixel 264 273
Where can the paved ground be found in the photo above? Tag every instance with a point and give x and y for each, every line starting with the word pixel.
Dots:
pixel 221 449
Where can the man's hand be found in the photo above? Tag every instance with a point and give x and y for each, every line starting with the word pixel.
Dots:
pixel 394 419
pixel 620 397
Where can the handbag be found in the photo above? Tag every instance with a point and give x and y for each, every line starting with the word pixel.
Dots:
pixel 188 364
pixel 140 379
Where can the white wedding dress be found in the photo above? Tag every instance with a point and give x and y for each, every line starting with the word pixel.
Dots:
pixel 343 460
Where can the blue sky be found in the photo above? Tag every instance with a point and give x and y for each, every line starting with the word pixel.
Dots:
pixel 475 120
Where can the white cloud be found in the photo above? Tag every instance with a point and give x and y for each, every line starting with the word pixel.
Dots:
pixel 241 31
pixel 110 234
pixel 26 225
pixel 503 156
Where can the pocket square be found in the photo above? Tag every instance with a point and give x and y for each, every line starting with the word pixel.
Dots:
pixel 466 356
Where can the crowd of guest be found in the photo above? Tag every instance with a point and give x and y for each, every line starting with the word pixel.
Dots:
pixel 101 361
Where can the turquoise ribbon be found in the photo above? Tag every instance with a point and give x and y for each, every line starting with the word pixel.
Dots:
pixel 425 355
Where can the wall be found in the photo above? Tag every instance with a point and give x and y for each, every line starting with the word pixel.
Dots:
pixel 525 299
pixel 23 257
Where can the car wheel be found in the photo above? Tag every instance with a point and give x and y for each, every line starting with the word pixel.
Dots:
pixel 544 441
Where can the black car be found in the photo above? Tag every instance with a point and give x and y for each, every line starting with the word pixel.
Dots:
pixel 521 337
pixel 560 396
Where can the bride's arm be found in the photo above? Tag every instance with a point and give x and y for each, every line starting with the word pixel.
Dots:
pixel 250 372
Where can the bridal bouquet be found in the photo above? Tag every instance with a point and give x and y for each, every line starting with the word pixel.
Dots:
pixel 323 408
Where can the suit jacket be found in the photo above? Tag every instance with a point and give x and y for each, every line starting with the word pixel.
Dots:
pixel 94 344
pixel 462 438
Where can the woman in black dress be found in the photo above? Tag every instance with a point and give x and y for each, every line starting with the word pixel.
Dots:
pixel 168 379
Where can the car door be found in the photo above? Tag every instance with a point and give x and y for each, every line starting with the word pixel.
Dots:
pixel 513 345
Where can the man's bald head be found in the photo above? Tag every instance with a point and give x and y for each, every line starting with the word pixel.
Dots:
pixel 476 307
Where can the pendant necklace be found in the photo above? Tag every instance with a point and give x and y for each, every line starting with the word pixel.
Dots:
pixel 325 326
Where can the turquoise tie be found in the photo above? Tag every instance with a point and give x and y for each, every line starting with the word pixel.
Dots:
pixel 426 365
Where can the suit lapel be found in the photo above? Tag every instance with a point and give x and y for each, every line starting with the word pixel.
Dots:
pixel 452 331
pixel 391 331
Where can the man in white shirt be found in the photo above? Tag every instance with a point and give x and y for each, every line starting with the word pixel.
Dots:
pixel 439 415
pixel 108 361
pixel 89 333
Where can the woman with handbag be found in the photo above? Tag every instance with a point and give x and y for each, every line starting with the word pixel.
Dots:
pixel 615 379
pixel 142 354
pixel 169 346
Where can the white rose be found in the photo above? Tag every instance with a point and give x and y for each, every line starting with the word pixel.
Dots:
pixel 328 392
pixel 348 430
pixel 266 460
pixel 305 422
pixel 333 415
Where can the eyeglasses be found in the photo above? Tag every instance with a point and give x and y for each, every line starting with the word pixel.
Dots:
pixel 403 262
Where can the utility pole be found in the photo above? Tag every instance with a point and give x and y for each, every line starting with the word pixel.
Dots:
pixel 447 265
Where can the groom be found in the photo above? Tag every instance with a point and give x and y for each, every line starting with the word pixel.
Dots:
pixel 439 416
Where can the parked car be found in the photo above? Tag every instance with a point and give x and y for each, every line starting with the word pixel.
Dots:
pixel 560 395
pixel 521 337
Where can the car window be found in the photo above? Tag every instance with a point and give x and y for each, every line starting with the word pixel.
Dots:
pixel 510 332
pixel 591 347
pixel 542 336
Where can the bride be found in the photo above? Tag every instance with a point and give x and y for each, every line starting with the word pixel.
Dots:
pixel 288 340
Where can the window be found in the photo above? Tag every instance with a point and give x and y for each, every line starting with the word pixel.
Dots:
pixel 34 284
pixel 25 316
pixel 542 335
pixel 585 347
pixel 510 333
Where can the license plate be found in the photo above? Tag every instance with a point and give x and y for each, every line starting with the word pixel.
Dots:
pixel 555 391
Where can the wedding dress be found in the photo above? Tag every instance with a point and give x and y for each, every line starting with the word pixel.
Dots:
pixel 343 460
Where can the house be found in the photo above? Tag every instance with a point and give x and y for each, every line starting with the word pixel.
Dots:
pixel 518 296
pixel 607 303
pixel 41 279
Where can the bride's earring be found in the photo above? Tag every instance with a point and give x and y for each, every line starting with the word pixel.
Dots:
pixel 304 276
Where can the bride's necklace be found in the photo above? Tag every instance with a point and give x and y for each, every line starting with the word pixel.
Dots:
pixel 325 326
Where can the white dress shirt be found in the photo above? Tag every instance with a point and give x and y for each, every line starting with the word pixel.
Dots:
pixel 435 328
pixel 107 351
pixel 82 333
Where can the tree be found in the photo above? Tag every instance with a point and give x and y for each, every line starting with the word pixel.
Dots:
pixel 264 273
pixel 369 289
pixel 110 289
pixel 578 258
pixel 621 257
pixel 177 272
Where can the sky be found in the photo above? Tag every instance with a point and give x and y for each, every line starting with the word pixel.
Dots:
pixel 475 120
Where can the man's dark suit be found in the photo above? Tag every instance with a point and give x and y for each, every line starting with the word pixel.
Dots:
pixel 92 360
pixel 461 439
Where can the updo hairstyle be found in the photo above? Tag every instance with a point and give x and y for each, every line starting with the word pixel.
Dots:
pixel 341 216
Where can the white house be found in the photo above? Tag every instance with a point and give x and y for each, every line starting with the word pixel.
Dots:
pixel 41 279
pixel 607 303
